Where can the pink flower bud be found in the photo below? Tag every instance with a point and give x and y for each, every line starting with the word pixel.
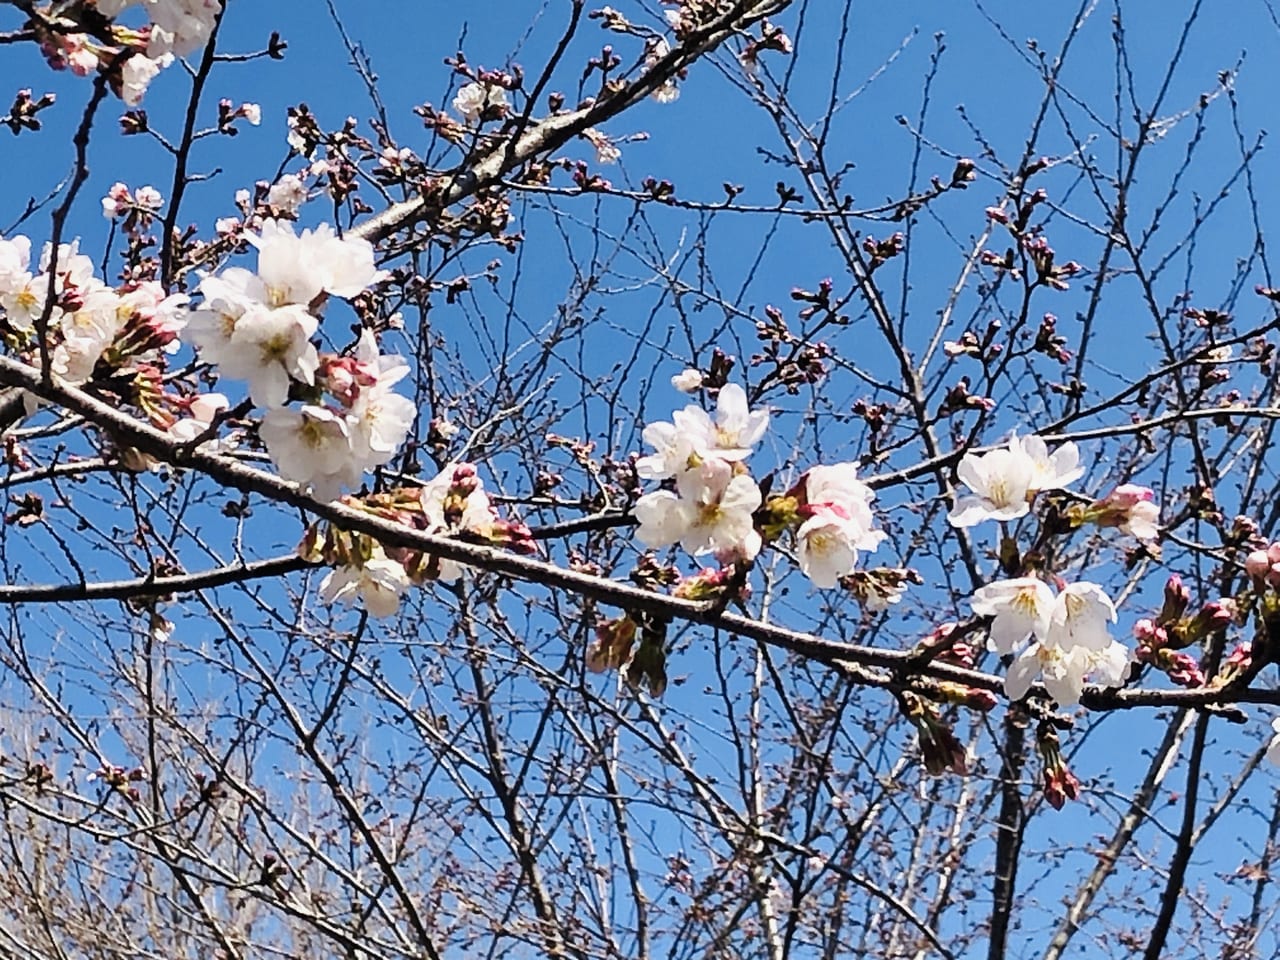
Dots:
pixel 1150 634
pixel 1257 564
pixel 1128 495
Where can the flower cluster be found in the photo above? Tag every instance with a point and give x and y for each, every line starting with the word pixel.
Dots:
pixel 1071 642
pixel 257 326
pixel 133 56
pixel 477 102
pixel 1003 482
pixel 454 503
pixel 88 321
pixel 713 505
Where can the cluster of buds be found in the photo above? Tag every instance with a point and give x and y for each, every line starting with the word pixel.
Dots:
pixel 959 399
pixel 1163 639
pixel 22 114
pixel 970 344
pixel 819 300
pixel 1049 272
pixel 880 252
pixel 138 208
pixel 635 645
pixel 772 37
pixel 1034 246
pixel 1050 342
pixel 880 588
pixel 229 113
pixel 795 361
pixel 1058 782
pixel 454 503
pixel 939 748
pixel 1263 566
pixel 1130 507
pixel 120 779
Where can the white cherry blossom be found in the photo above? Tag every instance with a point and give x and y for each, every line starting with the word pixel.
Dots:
pixel 828 543
pixel 1002 482
pixel 378 583
pixel 380 418
pixel 673 443
pixel 297 268
pixel 269 348
pixel 688 380
pixel 1021 607
pixel 1081 614
pixel 711 512
pixel 999 482
pixel 15 258
pixel 1065 672
pixel 1049 471
pixel 288 194
pixel 311 446
pixel 475 98
pixel 1273 749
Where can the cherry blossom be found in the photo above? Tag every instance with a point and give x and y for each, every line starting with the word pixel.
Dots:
pixel 1065 671
pixel 1080 617
pixel 297 268
pixel 455 502
pixel 136 75
pixel 476 99
pixel 270 348
pixel 999 482
pixel 1049 471
pixel 202 409
pixel 736 429
pixel 379 418
pixel 710 512
pixel 687 381
pixel 15 258
pixel 1021 607
pixel 1002 482
pixel 667 92
pixel 378 583
pixel 1129 507
pixel 287 194
pixel 312 446
pixel 828 544
pixel 836 522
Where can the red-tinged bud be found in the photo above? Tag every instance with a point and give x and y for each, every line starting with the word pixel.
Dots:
pixel 1059 783
pixel 1061 786
pixel 1238 663
pixel 1182 668
pixel 710 584
pixel 513 535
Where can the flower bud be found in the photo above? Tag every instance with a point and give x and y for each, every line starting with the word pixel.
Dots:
pixel 1176 599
